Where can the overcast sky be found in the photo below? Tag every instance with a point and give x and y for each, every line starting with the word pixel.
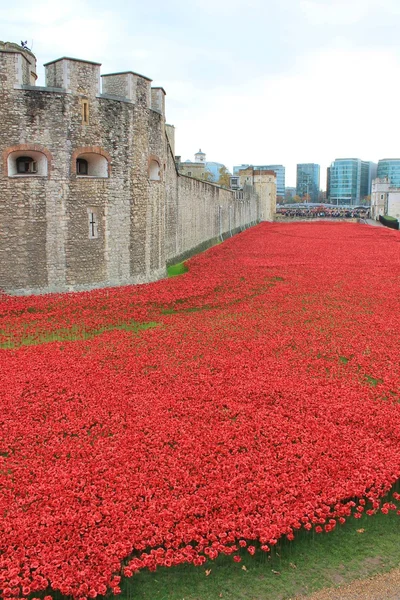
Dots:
pixel 255 81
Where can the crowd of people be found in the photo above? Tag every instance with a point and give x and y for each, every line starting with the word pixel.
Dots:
pixel 324 211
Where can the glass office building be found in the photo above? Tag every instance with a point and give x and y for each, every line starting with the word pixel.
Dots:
pixel 390 168
pixel 350 180
pixel 214 168
pixel 307 181
pixel 279 172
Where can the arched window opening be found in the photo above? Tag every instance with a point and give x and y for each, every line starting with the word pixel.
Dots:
pixel 26 164
pixel 81 166
pixel 154 171
pixel 91 164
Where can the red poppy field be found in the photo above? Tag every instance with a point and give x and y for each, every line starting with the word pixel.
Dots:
pixel 254 396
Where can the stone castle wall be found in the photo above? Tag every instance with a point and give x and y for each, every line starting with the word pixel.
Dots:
pixel 199 214
pixel 132 213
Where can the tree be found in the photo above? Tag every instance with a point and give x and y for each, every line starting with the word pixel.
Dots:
pixel 224 177
pixel 204 176
pixel 297 199
pixel 207 176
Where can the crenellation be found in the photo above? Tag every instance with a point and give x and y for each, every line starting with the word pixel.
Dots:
pixel 158 100
pixel 74 75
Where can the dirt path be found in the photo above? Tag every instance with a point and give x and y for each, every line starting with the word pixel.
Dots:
pixel 385 586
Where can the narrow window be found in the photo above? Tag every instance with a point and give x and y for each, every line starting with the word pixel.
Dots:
pixel 93 224
pixel 154 171
pixel 85 111
pixel 81 166
pixel 26 164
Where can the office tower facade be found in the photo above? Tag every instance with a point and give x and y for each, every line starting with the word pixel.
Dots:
pixel 307 181
pixel 390 168
pixel 350 180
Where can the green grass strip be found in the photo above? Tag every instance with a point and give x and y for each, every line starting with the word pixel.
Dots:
pixel 178 269
pixel 73 334
pixel 360 548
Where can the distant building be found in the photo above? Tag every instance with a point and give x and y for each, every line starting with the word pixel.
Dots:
pixel 200 157
pixel 234 182
pixel 279 171
pixel 290 193
pixel 200 168
pixel 389 168
pixel 213 168
pixel 328 183
pixel 350 180
pixel 193 169
pixel 385 198
pixel 263 181
pixel 307 181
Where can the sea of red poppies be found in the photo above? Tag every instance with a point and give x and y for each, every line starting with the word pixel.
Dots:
pixel 263 400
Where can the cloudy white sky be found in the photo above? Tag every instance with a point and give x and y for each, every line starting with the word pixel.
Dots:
pixel 247 81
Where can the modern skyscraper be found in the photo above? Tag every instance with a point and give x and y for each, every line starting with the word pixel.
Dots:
pixel 279 171
pixel 307 181
pixel 390 168
pixel 350 180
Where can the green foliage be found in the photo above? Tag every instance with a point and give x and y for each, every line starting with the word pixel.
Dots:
pixel 178 269
pixel 389 221
pixel 206 176
pixel 224 177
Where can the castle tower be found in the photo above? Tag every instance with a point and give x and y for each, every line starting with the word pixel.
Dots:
pixel 264 184
pixel 74 75
pixel 200 157
pixel 18 64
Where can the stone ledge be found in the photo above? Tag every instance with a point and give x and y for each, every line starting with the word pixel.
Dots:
pixel 37 88
pixel 115 98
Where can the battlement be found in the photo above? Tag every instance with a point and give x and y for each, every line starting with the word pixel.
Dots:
pixel 158 99
pixel 129 85
pixel 74 75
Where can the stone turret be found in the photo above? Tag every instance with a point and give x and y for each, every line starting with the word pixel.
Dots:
pixel 18 65
pixel 264 183
pixel 74 75
pixel 128 85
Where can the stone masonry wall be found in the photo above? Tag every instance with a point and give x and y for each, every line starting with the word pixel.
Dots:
pixel 44 219
pixel 199 213
pixel 124 220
